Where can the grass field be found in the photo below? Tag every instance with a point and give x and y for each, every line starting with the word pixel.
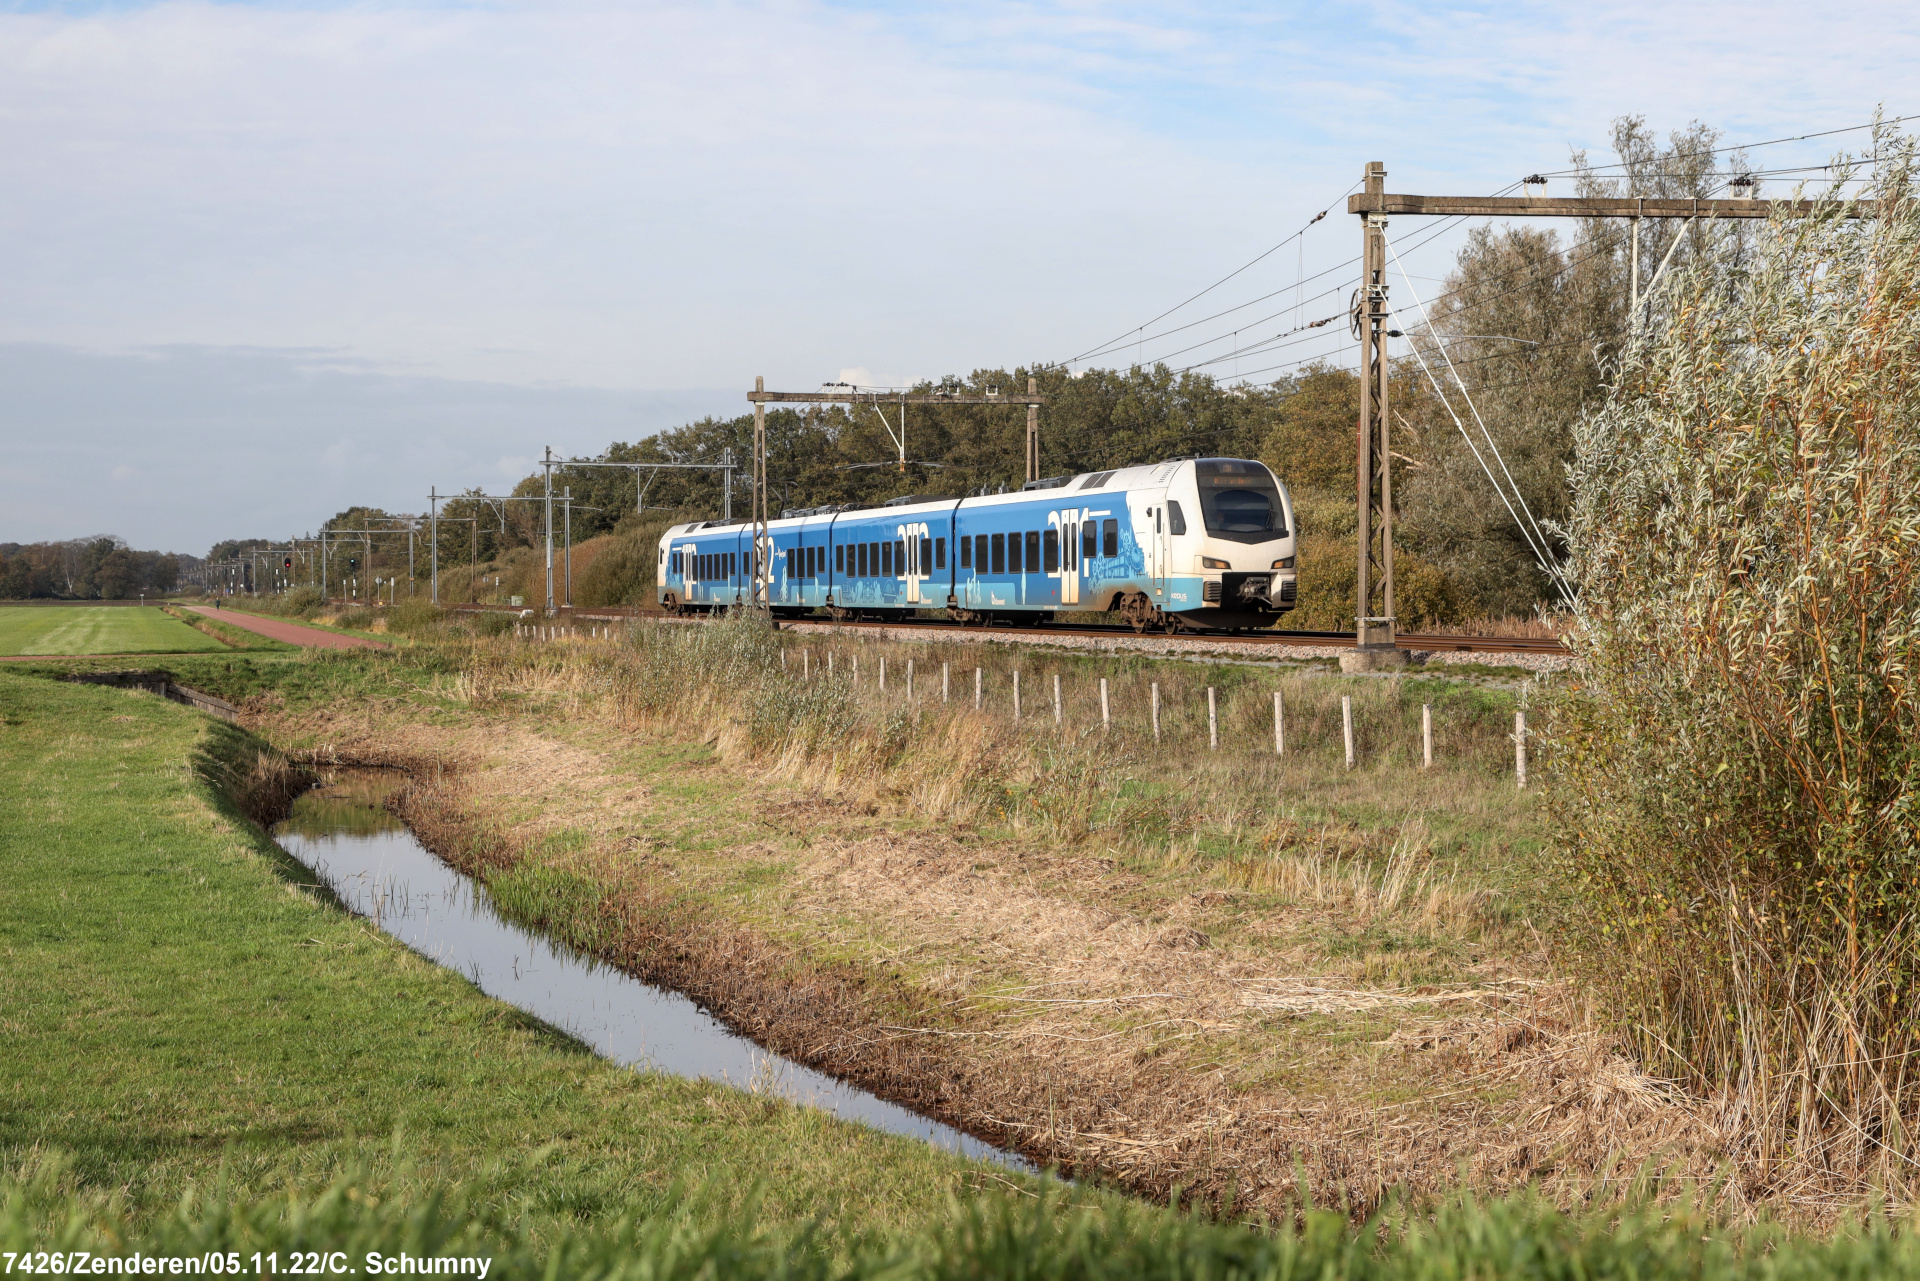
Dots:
pixel 180 1009
pixel 82 629
pixel 202 1054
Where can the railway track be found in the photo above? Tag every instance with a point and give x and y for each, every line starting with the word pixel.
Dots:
pixel 1423 642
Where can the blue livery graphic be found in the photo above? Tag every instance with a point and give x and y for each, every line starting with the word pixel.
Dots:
pixel 1203 542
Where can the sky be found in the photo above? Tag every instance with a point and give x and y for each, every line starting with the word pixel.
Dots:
pixel 263 261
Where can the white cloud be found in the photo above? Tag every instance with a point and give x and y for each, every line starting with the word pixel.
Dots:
pixel 122 472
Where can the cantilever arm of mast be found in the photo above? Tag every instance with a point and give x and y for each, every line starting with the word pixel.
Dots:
pixel 1597 207
pixel 892 398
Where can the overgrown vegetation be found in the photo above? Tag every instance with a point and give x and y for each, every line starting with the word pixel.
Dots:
pixel 193 1028
pixel 1739 775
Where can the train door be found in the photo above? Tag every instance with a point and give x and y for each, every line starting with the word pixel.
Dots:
pixel 1159 552
pixel 1069 525
pixel 910 542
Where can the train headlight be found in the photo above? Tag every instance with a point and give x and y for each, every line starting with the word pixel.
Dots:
pixel 1208 562
pixel 1285 562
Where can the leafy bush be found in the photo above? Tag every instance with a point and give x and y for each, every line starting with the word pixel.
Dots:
pixel 1741 799
pixel 414 616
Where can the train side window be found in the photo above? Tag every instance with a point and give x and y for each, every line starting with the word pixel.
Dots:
pixel 980 561
pixel 1033 551
pixel 939 553
pixel 999 553
pixel 1156 520
pixel 886 560
pixel 966 552
pixel 1087 548
pixel 899 557
pixel 1176 522
pixel 1109 537
pixel 1051 542
pixel 925 564
pixel 677 558
pixel 1013 553
pixel 840 558
pixel 860 560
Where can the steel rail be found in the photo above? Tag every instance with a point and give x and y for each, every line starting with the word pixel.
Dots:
pixel 1425 642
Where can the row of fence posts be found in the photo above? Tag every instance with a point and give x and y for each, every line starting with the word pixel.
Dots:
pixel 539 632
pixel 1213 710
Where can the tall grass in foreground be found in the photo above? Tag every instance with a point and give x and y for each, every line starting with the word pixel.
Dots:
pixel 1742 767
pixel 1299 824
pixel 713 1237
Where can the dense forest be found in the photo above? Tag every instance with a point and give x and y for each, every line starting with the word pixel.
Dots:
pixel 97 568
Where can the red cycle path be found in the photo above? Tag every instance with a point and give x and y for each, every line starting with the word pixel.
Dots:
pixel 291 633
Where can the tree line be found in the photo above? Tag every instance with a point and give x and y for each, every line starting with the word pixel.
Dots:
pixel 101 567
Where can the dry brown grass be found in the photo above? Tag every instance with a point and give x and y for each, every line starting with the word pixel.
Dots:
pixel 1214 983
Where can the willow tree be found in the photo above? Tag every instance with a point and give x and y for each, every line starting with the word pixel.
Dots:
pixel 1740 769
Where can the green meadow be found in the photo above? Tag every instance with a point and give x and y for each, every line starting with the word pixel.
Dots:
pixel 98 629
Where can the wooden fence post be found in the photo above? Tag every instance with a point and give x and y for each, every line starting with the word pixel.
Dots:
pixel 1279 727
pixel 1156 711
pixel 1520 749
pixel 1016 693
pixel 976 689
pixel 1426 735
pixel 1106 719
pixel 883 675
pixel 1056 698
pixel 1346 721
pixel 909 680
pixel 945 669
pixel 1213 722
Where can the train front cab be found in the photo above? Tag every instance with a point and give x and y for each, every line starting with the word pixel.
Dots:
pixel 1226 544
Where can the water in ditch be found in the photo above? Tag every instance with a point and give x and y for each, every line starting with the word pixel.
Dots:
pixel 371 860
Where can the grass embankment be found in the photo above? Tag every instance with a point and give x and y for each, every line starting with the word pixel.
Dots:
pixel 183 1009
pixel 1174 966
pixel 81 629
pixel 227 634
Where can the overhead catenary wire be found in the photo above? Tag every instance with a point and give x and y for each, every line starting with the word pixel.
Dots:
pixel 1447 356
pixel 1535 537
pixel 1127 335
pixel 1738 146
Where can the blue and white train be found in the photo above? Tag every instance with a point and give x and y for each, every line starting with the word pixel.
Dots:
pixel 1191 543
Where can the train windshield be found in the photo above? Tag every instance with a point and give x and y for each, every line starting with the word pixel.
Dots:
pixel 1240 501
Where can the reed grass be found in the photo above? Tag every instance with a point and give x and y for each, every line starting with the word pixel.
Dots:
pixel 813 709
pixel 1740 807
